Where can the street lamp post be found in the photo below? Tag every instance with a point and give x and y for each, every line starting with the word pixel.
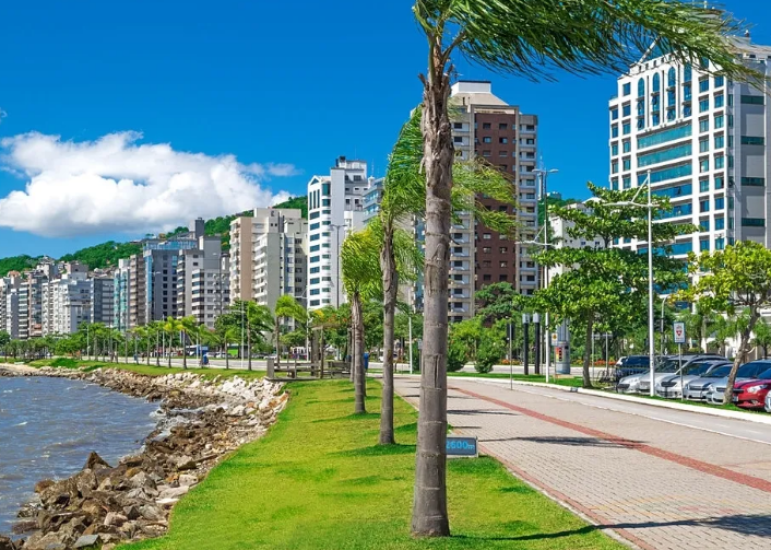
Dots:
pixel 526 351
pixel 337 228
pixel 651 343
pixel 547 340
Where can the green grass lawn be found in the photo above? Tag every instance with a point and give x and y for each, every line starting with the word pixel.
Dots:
pixel 147 370
pixel 317 480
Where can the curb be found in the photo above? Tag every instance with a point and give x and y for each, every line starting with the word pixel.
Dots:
pixel 735 415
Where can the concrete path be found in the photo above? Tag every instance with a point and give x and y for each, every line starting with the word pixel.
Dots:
pixel 659 479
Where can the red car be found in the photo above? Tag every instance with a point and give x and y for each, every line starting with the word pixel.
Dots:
pixel 751 394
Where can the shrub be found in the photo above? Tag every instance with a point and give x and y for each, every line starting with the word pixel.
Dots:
pixel 65 363
pixel 489 354
pixel 456 357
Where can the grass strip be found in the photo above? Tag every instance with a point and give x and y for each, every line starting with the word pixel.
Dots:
pixel 147 370
pixel 317 480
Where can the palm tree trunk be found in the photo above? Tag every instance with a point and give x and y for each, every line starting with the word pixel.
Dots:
pixel 741 355
pixel 588 353
pixel 390 290
pixel 184 350
pixel 358 368
pixel 429 512
pixel 278 351
pixel 227 357
pixel 249 345
pixel 169 350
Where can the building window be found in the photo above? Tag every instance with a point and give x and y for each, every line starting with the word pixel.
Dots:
pixel 704 165
pixel 704 206
pixel 720 203
pixel 753 140
pixel 704 125
pixel 719 161
pixel 719 182
pixel 486 154
pixel 641 87
pixel 704 225
pixel 719 223
pixel 719 141
pixel 627 182
pixel 753 182
pixel 457 139
pixel 719 122
pixel 486 236
pixel 627 128
pixel 671 78
pixel 627 146
pixel 614 131
pixel 626 89
pixel 486 126
pixel 752 99
pixel 704 245
pixel 719 81
pixel 704 85
pixel 503 250
pixel 487 139
pixel 753 222
pixel 687 73
pixel 704 145
pixel 719 101
pixel 614 167
pixel 704 186
pixel 503 140
pixel 703 105
pixel 503 264
pixel 626 110
pixel 614 149
pixel 719 243
pixel 502 126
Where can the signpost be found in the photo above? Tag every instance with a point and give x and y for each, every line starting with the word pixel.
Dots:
pixel 680 340
pixel 462 446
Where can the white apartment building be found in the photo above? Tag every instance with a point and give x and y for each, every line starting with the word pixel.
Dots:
pixel 67 302
pixel 268 255
pixel 703 141
pixel 559 234
pixel 335 209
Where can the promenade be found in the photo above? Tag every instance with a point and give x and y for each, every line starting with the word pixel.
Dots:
pixel 659 480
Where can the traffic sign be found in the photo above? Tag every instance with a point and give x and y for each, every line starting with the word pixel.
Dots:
pixel 679 333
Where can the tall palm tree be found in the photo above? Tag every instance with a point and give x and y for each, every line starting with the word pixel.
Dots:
pixel 362 282
pixel 187 327
pixel 524 38
pixel 172 327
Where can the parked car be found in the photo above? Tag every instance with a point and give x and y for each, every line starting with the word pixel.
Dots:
pixel 747 372
pixel 634 364
pixel 671 367
pixel 698 387
pixel 752 394
pixel 631 383
pixel 671 386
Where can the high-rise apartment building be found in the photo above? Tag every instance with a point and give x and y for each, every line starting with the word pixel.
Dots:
pixel 67 302
pixel 102 300
pixel 268 256
pixel 702 140
pixel 121 285
pixel 200 288
pixel 137 291
pixel 335 208
pixel 9 303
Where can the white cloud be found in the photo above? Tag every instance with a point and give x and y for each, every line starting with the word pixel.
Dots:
pixel 115 184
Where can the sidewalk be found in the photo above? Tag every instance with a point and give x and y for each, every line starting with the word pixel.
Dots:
pixel 657 484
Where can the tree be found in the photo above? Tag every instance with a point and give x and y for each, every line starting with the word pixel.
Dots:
pixel 762 338
pixel 516 36
pixel 254 320
pixel 362 282
pixel 736 278
pixel 287 307
pixel 5 338
pixel 606 288
pixel 187 326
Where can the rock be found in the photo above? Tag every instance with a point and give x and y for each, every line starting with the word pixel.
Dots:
pixel 6 544
pixel 39 541
pixel 240 410
pixel 85 541
pixel 21 527
pixel 187 480
pixel 173 492
pixel 41 486
pixel 95 460
pixel 186 463
pixel 132 461
pixel 114 519
pixel 151 512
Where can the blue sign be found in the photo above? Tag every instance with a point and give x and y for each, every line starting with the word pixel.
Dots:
pixel 680 306
pixel 462 446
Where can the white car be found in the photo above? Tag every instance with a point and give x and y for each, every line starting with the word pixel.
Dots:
pixel 670 386
pixel 768 402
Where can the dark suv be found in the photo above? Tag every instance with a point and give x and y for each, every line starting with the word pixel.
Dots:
pixel 634 364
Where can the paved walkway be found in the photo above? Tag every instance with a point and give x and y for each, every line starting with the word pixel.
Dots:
pixel 658 484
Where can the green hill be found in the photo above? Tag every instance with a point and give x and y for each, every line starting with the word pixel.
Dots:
pixel 107 254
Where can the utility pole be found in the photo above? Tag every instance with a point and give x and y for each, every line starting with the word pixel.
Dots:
pixel 337 228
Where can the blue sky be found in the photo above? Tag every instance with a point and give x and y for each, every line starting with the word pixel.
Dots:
pixel 273 84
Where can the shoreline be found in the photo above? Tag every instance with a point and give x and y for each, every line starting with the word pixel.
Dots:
pixel 200 422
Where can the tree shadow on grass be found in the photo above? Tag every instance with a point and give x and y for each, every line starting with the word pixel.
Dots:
pixel 757 525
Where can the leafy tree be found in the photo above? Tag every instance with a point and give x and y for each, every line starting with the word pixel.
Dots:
pixel 255 320
pixel 736 278
pixel 298 203
pixel 5 338
pixel 606 289
pixel 762 338
pixel 17 263
pixel 456 356
pixel 489 354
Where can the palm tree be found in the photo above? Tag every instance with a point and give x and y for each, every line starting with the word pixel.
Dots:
pixel 362 282
pixel 158 330
pixel 287 307
pixel 172 327
pixel 523 38
pixel 186 326
pixel 762 338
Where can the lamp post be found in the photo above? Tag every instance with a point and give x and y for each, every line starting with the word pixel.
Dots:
pixel 337 228
pixel 537 342
pixel 544 174
pixel 649 207
pixel 547 346
pixel 525 334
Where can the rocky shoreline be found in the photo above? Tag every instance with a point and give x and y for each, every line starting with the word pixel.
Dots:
pixel 200 421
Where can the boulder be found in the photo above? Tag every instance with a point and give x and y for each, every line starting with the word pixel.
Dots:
pixel 6 544
pixel 186 463
pixel 114 519
pixel 41 486
pixel 85 541
pixel 94 460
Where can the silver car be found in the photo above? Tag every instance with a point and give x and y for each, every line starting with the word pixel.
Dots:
pixel 768 402
pixel 699 387
pixel 670 386
pixel 748 371
pixel 631 383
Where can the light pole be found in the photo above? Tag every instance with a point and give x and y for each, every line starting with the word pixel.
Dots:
pixel 649 207
pixel 547 348
pixel 337 228
pixel 525 351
